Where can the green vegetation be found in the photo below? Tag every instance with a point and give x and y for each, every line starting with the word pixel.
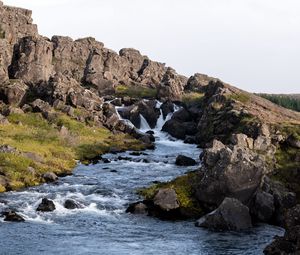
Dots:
pixel 56 151
pixel 288 101
pixel 241 97
pixel 192 97
pixel 139 92
pixel 183 186
pixel 2 33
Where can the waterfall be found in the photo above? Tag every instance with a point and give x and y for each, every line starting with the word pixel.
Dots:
pixel 160 122
pixel 144 126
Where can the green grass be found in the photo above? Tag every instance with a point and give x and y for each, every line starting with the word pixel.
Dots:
pixel 136 92
pixel 2 33
pixel 192 97
pixel 183 187
pixel 32 133
pixel 240 97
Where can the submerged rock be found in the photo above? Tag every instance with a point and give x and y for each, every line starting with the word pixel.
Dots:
pixel 46 206
pixel 182 160
pixel 230 215
pixel 12 216
pixel 137 208
pixel 71 204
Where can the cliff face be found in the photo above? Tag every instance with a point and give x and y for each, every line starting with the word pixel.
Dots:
pixel 32 58
pixel 15 23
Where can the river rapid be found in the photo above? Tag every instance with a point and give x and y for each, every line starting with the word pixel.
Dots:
pixel 101 226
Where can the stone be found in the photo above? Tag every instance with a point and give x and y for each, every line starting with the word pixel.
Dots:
pixel 50 177
pixel 198 82
pixel 172 85
pixel 182 160
pixel 137 208
pixel 12 216
pixel 32 60
pixel 264 207
pixel 166 199
pixel 229 172
pixel 71 204
pixel 14 92
pixel 231 215
pixel 46 206
pixel 293 141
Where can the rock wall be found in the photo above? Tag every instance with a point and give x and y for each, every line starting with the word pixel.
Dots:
pixel 27 56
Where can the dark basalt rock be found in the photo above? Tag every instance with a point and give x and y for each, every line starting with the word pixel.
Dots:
pixel 71 204
pixel 182 160
pixel 230 215
pixel 137 208
pixel 12 216
pixel 46 206
pixel 290 242
pixel 264 206
pixel 106 160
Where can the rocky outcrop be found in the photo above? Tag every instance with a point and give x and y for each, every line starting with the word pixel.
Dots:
pixel 198 82
pixel 229 172
pixel 172 85
pixel 32 60
pixel 290 242
pixel 231 215
pixel 13 92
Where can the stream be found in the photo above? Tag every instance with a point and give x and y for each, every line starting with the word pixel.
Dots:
pixel 101 226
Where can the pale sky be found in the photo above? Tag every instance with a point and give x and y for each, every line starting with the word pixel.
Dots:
pixel 252 44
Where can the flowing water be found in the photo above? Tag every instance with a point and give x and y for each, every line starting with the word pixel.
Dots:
pixel 102 226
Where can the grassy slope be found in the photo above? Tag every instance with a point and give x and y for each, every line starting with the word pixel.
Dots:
pixel 53 150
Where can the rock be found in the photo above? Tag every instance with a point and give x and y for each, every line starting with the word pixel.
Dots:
pixel 13 93
pixel 46 206
pixel 3 120
pixel 293 141
pixel 71 204
pixel 32 60
pixel 106 160
pixel 182 160
pixel 167 108
pixel 198 82
pixel 190 140
pixel 231 215
pixel 12 216
pixel 137 208
pixel 166 199
pixel 7 149
pixel 172 85
pixel 50 177
pixel 34 157
pixel 117 102
pixel 264 207
pixel 289 243
pixel 235 172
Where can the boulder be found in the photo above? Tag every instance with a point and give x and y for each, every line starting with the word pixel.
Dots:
pixel 166 199
pixel 293 141
pixel 12 216
pixel 182 160
pixel 167 108
pixel 13 93
pixel 71 204
pixel 229 172
pixel 137 208
pixel 231 215
pixel 46 206
pixel 264 207
pixel 50 177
